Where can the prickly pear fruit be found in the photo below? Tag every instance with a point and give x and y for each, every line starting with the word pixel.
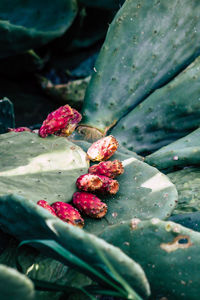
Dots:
pixel 46 205
pixel 102 149
pixel 110 186
pixel 68 214
pixel 89 182
pixel 19 129
pixel 62 122
pixel 108 168
pixel 89 204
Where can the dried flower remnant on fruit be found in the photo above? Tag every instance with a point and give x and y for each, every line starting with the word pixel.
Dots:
pixel 89 204
pixel 46 205
pixel 108 168
pixel 109 186
pixel 62 122
pixel 68 214
pixel 89 183
pixel 20 129
pixel 102 149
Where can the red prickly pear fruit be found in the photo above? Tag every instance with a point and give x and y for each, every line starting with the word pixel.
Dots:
pixel 108 168
pixel 89 182
pixel 89 204
pixel 62 122
pixel 46 205
pixel 102 149
pixel 72 124
pixel 68 214
pixel 110 186
pixel 20 129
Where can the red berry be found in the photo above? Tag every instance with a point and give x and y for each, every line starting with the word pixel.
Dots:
pixel 89 182
pixel 102 149
pixel 108 168
pixel 68 214
pixel 89 204
pixel 46 205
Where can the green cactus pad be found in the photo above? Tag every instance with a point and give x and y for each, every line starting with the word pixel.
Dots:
pixel 144 193
pixel 71 93
pixel 140 55
pixel 189 220
pixel 183 152
pixel 7 118
pixel 14 285
pixel 187 182
pixel 29 24
pixel 33 222
pixel 38 168
pixel 167 252
pixel 165 116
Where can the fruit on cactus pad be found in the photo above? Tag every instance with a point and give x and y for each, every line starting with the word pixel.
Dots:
pixel 110 186
pixel 108 168
pixel 89 182
pixel 19 129
pixel 102 149
pixel 89 204
pixel 68 213
pixel 46 205
pixel 61 122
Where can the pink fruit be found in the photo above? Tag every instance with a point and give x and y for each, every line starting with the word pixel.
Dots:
pixel 89 204
pixel 68 214
pixel 102 149
pixel 89 182
pixel 62 122
pixel 110 186
pixel 46 205
pixel 108 168
pixel 19 129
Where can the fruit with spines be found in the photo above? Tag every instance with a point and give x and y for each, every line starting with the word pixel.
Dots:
pixel 109 186
pixel 89 204
pixel 62 122
pixel 108 168
pixel 45 204
pixel 20 129
pixel 89 183
pixel 68 213
pixel 103 149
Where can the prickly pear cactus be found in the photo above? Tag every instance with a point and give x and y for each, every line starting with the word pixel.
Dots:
pixel 183 152
pixel 7 118
pixel 187 182
pixel 165 116
pixel 14 285
pixel 144 192
pixel 125 75
pixel 33 222
pixel 40 169
pixel 167 251
pixel 30 24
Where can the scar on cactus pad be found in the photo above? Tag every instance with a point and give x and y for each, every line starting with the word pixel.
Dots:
pixel 62 122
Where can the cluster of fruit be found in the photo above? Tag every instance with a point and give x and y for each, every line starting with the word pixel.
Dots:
pixel 100 179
